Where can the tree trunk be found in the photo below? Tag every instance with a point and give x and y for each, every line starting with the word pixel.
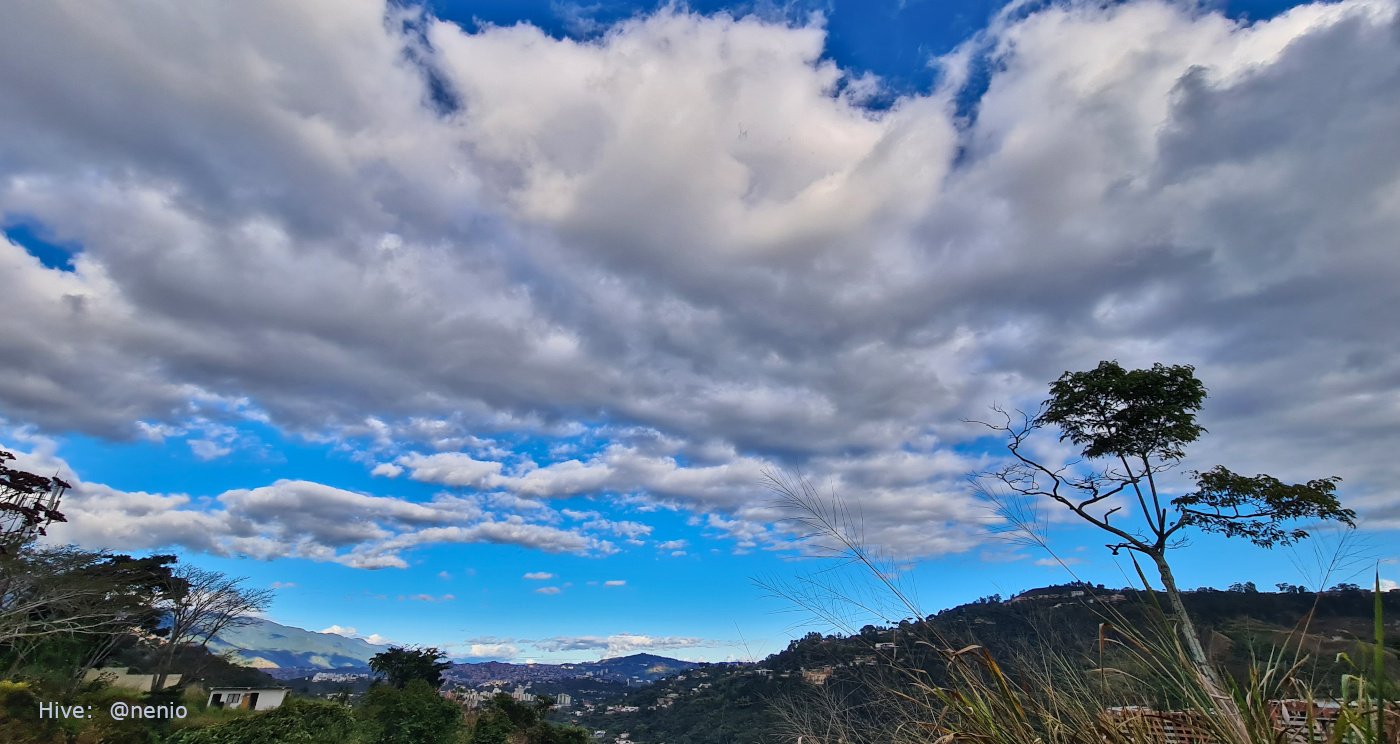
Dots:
pixel 1224 702
pixel 163 671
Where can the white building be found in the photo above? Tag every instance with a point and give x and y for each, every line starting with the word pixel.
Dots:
pixel 247 698
pixel 563 700
pixel 337 677
pixel 123 678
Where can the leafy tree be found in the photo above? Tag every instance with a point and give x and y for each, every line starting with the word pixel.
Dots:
pixel 414 714
pixel 403 665
pixel 200 604
pixel 1137 423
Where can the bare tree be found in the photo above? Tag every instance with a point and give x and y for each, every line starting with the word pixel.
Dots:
pixel 47 593
pixel 54 592
pixel 199 605
pixel 1138 422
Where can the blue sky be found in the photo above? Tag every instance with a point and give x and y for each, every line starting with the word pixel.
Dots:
pixel 479 324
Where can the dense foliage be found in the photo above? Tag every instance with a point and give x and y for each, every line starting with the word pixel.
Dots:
pixel 294 722
pixel 503 719
pixel 403 665
pixel 415 714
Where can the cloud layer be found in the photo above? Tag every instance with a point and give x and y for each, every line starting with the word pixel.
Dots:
pixel 693 234
pixel 298 519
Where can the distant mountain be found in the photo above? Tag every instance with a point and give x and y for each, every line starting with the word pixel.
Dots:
pixel 638 666
pixel 289 652
pixel 268 645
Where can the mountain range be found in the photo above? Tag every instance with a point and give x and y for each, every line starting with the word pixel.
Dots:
pixel 286 652
pixel 268 645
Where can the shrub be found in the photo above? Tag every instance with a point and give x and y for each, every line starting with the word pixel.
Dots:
pixel 297 721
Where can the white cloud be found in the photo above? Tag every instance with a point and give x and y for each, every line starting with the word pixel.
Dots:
pixel 450 468
pixel 387 469
pixel 539 576
pixel 283 585
pixel 672 545
pixel 491 652
pixel 207 450
pixel 691 227
pixel 615 583
pixel 431 598
pixel 548 590
pixel 290 519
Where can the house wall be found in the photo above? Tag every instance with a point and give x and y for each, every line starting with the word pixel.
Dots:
pixel 269 699
pixel 118 677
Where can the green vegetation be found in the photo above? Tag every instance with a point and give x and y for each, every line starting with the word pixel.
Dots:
pixel 403 665
pixel 1045 634
pixel 413 714
pixel 294 722
pixel 503 719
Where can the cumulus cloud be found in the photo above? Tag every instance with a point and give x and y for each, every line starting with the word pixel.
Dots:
pixel 539 576
pixel 490 652
pixel 348 632
pixel 615 583
pixel 548 590
pixel 693 227
pixel 386 469
pixel 290 519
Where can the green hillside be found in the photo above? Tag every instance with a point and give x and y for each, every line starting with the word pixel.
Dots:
pixel 745 704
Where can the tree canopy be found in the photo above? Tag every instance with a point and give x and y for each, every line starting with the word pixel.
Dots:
pixel 401 665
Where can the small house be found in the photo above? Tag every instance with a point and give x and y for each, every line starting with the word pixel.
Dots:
pixel 247 698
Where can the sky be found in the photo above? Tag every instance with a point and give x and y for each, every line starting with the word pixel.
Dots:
pixel 483 325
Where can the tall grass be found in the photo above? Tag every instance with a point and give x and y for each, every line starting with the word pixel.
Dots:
pixel 1139 688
